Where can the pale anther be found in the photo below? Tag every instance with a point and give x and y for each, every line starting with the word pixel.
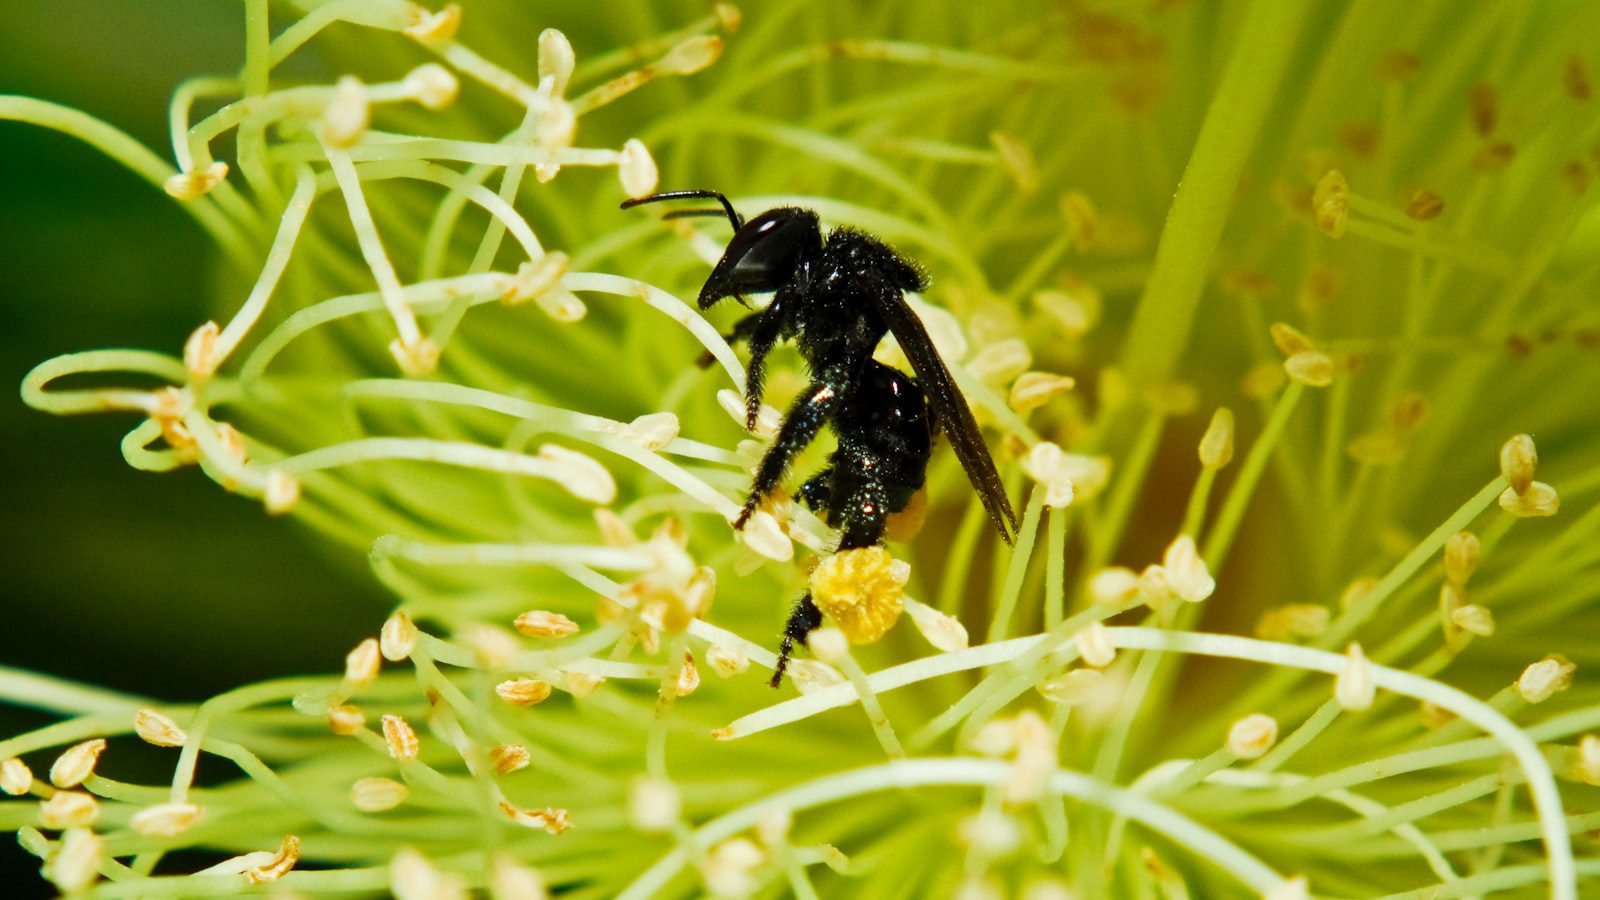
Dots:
pixel 1353 687
pixel 155 728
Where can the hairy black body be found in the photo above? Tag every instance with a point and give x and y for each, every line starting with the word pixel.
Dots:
pixel 836 297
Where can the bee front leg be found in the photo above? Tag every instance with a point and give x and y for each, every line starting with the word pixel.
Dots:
pixel 815 406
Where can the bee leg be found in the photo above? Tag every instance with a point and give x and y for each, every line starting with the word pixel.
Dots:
pixel 815 405
pixel 817 492
pixel 803 619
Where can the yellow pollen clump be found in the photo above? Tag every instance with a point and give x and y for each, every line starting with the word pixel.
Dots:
pixel 861 591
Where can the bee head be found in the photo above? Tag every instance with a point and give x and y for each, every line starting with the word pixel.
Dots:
pixel 763 254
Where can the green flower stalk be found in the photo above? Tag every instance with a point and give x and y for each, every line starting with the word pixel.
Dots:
pixel 1249 297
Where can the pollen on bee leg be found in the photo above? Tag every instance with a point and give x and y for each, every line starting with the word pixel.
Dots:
pixel 434 28
pixel 861 590
pixel 907 523
pixel 189 185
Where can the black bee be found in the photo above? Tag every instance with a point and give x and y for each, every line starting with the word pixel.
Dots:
pixel 836 297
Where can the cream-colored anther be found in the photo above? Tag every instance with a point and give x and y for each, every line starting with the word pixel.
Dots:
pixel 654 805
pixel 189 185
pixel 345 119
pixel 1216 445
pixel 556 60
pixel 636 169
pixel 398 637
pixel 377 794
pixel 76 763
pixel 581 475
pixel 1353 687
pixel 691 55
pixel 166 820
pixel 1252 736
pixel 1545 678
pixel 400 738
pixel 1519 458
pixel 1095 646
pixel 154 728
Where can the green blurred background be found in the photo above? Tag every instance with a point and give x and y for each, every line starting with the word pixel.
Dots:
pixel 92 257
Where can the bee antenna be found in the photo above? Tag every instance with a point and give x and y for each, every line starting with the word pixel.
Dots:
pixel 733 216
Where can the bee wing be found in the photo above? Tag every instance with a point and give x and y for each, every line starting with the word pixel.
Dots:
pixel 949 405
